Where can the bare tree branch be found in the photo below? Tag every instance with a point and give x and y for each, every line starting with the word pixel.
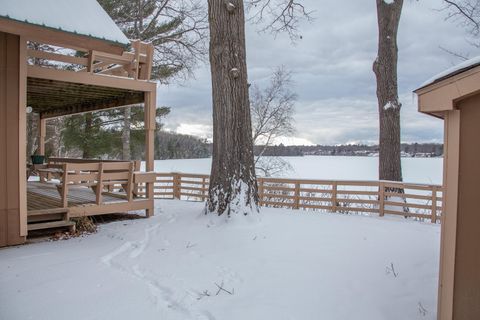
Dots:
pixel 458 55
pixel 272 112
pixel 277 16
pixel 467 14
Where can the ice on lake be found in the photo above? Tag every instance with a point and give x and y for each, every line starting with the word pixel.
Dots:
pixel 415 170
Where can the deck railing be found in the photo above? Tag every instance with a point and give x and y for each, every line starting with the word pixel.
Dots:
pixel 420 201
pixel 135 64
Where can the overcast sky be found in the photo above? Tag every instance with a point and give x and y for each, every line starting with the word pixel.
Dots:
pixel 332 70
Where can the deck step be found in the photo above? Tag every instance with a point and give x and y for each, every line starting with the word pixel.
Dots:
pixel 42 212
pixel 53 224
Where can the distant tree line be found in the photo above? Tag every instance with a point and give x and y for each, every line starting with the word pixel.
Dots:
pixel 407 149
pixel 169 145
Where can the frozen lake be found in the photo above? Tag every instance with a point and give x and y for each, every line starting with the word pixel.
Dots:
pixel 416 170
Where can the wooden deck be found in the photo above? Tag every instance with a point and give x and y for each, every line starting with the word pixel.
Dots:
pixel 45 196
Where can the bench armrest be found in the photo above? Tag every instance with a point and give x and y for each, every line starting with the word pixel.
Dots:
pixel 144 177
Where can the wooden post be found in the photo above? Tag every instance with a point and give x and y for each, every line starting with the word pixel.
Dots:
pixel 91 61
pixel 64 186
pixel 260 182
pixel 22 135
pixel 334 196
pixel 149 63
pixel 136 61
pixel 434 205
pixel 381 198
pixel 130 182
pixel 136 186
pixel 203 188
pixel 13 202
pixel 177 185
pixel 42 132
pixel 99 188
pixel 149 120
pixel 150 113
pixel 296 201
pixel 150 194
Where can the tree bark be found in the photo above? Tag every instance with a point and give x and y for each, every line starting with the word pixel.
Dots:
pixel 233 185
pixel 385 69
pixel 126 153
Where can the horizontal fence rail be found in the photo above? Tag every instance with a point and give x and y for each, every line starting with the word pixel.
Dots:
pixel 419 201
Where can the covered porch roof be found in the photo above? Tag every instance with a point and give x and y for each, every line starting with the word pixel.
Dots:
pixel 54 98
pixel 64 84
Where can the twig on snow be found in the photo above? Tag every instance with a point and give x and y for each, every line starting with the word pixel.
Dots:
pixel 190 245
pixel 422 310
pixel 221 288
pixel 391 270
pixel 203 294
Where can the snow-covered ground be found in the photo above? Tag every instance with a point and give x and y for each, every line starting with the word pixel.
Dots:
pixel 415 170
pixel 290 265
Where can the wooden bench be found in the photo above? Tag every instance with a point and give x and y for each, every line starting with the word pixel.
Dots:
pixel 52 162
pixel 96 176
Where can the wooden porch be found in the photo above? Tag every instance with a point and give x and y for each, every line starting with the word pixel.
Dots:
pixel 81 72
pixel 45 197
pixel 70 188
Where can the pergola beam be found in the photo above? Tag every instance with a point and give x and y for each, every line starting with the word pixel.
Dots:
pixel 97 105
pixel 91 79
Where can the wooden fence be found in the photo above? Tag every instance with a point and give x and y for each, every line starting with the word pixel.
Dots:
pixel 420 201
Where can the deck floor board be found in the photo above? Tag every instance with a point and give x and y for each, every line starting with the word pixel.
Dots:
pixel 46 196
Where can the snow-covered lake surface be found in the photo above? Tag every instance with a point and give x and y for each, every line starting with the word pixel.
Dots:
pixel 290 265
pixel 415 170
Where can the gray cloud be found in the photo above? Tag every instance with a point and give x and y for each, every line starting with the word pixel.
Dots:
pixel 331 67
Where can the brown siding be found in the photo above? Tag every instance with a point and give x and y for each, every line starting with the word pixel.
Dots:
pixel 467 257
pixel 3 134
pixel 12 208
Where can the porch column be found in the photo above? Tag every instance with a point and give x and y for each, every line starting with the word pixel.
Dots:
pixel 42 131
pixel 150 112
pixel 13 123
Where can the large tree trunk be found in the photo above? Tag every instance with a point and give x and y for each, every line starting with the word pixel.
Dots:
pixel 54 145
pixel 32 133
pixel 385 68
pixel 126 134
pixel 233 186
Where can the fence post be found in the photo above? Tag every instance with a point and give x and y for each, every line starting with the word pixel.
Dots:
pixel 260 191
pixel 296 201
pixel 176 185
pixel 203 189
pixel 434 205
pixel 334 196
pixel 381 198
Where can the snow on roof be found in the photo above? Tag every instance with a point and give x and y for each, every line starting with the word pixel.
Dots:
pixel 459 68
pixel 84 17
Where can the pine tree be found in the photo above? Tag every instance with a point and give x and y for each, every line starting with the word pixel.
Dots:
pixel 177 29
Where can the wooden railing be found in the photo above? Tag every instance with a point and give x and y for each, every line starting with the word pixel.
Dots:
pixel 419 201
pixel 136 64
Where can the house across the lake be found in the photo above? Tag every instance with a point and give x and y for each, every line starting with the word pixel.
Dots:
pixel 93 67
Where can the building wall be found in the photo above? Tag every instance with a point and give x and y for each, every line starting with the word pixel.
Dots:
pixel 12 141
pixel 449 214
pixel 467 256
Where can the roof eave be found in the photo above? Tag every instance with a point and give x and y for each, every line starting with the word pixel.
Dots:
pixel 443 95
pixel 58 37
